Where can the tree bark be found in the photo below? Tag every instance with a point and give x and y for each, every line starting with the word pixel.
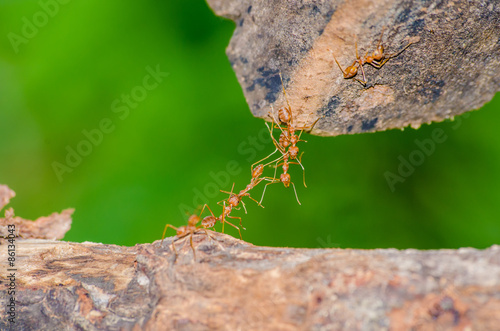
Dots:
pixel 222 283
pixel 453 68
pixel 233 285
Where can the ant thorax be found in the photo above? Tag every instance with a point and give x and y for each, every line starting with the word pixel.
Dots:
pixel 284 139
pixel 285 179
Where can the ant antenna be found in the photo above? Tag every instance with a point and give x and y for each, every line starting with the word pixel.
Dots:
pixel 296 196
pixel 284 91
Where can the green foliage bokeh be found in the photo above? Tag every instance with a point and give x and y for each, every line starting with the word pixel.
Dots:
pixel 65 79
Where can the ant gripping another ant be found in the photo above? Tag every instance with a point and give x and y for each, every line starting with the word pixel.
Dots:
pixel 377 59
pixel 286 144
pixel 234 199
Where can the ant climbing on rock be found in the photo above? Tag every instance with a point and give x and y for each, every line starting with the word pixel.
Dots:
pixel 377 59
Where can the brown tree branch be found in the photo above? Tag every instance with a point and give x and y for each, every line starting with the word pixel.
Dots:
pixel 233 285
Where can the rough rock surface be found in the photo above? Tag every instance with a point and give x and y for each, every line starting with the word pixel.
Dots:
pixel 454 68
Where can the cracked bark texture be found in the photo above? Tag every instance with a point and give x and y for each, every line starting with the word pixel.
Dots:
pixel 233 285
pixel 454 67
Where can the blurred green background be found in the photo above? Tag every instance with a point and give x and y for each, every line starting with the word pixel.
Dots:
pixel 72 71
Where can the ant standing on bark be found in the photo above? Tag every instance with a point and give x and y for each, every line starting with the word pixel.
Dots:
pixel 377 59
pixel 187 230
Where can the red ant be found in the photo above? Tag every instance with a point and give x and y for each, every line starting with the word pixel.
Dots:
pixel 285 176
pixel 187 230
pixel 234 199
pixel 377 59
pixel 211 220
pixel 192 227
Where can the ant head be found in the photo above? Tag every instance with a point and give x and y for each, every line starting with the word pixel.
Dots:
pixel 233 200
pixel 193 220
pixel 350 71
pixel 209 222
pixel 285 179
pixel 285 114
pixel 294 152
pixel 378 54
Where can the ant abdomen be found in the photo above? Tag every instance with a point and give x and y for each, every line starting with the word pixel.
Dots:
pixel 257 171
pixel 209 222
pixel 285 179
pixel 285 114
pixel 294 151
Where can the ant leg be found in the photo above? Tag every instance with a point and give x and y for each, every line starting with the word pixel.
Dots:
pixel 234 226
pixel 381 34
pixel 244 208
pixel 275 169
pixel 275 143
pixel 303 169
pixel 361 82
pixel 284 91
pixel 345 73
pixel 253 200
pixel 230 193
pixel 165 230
pixel 308 129
pixel 296 196
pixel 389 56
pixel 364 77
pixel 173 245
pixel 192 246
pixel 189 214
pixel 223 215
pixel 175 250
pixel 209 209
pixel 356 45
pixel 208 235
pixel 275 161
pixel 265 187
pixel 360 63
